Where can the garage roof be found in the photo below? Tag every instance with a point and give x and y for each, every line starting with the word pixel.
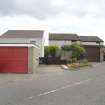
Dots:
pixel 23 34
pixel 90 39
pixel 63 36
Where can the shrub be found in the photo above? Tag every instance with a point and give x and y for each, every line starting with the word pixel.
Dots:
pixel 46 51
pixel 78 51
pixel 51 50
pixel 66 47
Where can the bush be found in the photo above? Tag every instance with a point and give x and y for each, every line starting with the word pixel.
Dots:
pixel 66 47
pixel 46 51
pixel 51 51
pixel 78 51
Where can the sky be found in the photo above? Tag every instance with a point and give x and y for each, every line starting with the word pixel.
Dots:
pixel 84 17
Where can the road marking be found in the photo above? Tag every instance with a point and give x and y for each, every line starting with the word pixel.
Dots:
pixel 64 87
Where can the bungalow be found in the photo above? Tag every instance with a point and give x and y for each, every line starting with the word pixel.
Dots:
pixel 20 50
pixel 61 39
pixel 92 44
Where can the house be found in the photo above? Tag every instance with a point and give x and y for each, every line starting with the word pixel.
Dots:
pixel 92 44
pixel 24 36
pixel 61 39
pixel 20 50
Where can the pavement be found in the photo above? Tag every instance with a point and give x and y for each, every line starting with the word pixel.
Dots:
pixel 51 85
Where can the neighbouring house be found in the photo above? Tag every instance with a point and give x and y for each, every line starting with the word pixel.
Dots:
pixel 92 44
pixel 20 50
pixel 61 39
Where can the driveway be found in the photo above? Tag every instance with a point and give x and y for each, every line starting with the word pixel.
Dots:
pixel 51 85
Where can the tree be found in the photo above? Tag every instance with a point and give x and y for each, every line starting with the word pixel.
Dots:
pixel 78 51
pixel 66 47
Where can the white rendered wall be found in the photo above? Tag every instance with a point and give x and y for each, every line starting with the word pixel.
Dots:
pixel 39 42
pixel 59 43
pixel 91 43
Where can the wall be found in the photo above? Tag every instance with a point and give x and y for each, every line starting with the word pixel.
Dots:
pixel 59 43
pixel 46 37
pixel 39 42
pixel 33 59
pixel 90 43
pixel 102 50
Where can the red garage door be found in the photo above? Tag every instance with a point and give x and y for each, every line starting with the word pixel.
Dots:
pixel 13 59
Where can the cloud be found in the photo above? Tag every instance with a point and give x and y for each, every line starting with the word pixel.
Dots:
pixel 86 17
pixel 6 7
pixel 42 9
pixel 22 22
pixel 38 8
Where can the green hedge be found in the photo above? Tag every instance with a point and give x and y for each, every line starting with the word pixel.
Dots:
pixel 51 50
pixel 66 47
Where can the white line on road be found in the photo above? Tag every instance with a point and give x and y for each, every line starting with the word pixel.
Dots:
pixel 64 87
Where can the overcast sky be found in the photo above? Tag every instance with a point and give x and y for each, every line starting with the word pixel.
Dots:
pixel 84 17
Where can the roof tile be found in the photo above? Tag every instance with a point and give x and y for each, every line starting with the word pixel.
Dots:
pixel 22 34
pixel 63 36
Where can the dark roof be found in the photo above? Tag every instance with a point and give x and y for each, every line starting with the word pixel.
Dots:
pixel 22 34
pixel 90 39
pixel 63 36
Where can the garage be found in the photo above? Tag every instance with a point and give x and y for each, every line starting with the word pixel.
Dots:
pixel 18 58
pixel 93 46
pixel 13 59
pixel 20 50
pixel 92 53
